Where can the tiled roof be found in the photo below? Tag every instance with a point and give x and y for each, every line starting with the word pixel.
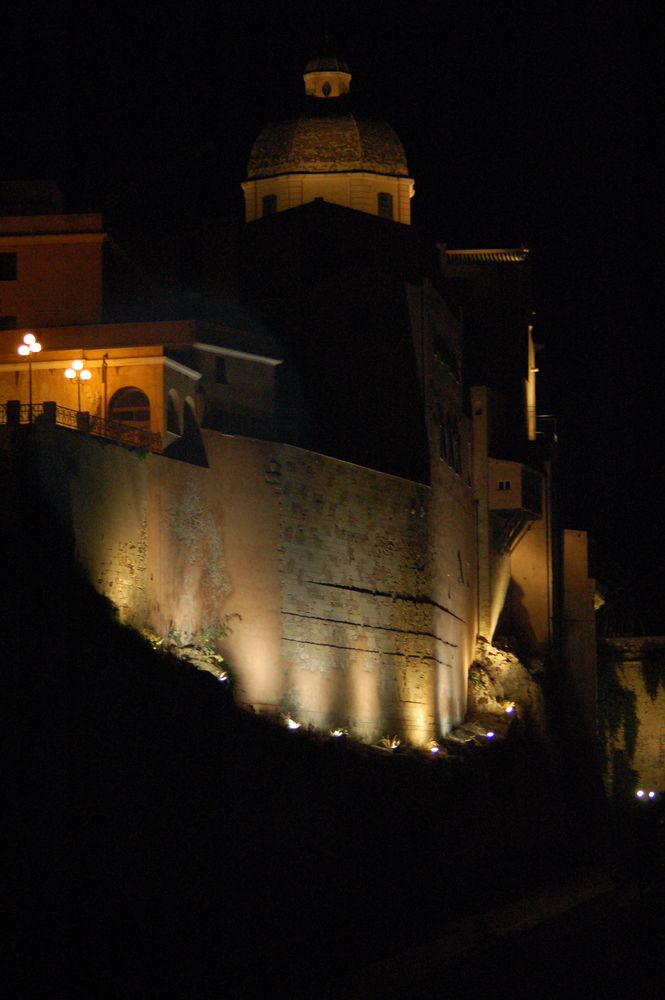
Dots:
pixel 327 143
pixel 501 256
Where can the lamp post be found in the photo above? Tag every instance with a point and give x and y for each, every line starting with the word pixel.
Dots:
pixel 29 347
pixel 78 373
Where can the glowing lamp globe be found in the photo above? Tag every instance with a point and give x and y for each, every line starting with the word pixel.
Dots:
pixel 29 346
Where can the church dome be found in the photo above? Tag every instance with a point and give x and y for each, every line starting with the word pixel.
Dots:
pixel 327 143
pixel 328 153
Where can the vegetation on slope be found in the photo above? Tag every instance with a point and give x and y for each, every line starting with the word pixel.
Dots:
pixel 159 842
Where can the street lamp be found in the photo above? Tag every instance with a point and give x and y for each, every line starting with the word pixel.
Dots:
pixel 78 373
pixel 29 347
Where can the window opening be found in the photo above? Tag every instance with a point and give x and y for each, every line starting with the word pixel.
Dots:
pixel 220 371
pixel 172 420
pixel 269 204
pixel 8 267
pixel 385 205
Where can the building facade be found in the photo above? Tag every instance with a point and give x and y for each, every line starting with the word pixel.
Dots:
pixel 331 503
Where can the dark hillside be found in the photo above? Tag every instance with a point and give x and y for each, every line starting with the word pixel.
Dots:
pixel 159 842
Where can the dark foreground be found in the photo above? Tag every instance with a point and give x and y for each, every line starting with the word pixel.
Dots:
pixel 585 937
pixel 159 843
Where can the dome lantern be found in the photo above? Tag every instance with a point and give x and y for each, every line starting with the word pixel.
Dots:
pixel 326 77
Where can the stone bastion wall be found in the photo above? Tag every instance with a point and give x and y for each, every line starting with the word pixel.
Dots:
pixel 317 580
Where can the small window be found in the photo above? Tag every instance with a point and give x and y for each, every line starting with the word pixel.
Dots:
pixel 385 205
pixel 7 267
pixel 326 89
pixel 7 322
pixel 504 485
pixel 220 371
pixel 269 203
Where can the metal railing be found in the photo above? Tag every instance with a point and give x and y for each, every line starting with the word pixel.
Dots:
pixel 87 423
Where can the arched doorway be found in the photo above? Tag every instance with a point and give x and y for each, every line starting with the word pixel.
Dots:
pixel 130 406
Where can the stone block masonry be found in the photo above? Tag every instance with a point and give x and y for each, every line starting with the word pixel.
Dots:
pixel 358 647
pixel 312 576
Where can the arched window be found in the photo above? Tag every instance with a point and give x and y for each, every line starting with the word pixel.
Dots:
pixel 190 425
pixel 445 444
pixel 172 412
pixel 130 406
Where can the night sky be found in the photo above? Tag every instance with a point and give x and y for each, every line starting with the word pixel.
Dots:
pixel 522 122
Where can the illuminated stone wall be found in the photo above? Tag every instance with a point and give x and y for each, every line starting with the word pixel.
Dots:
pixel 357 643
pixel 336 594
pixel 640 670
pixel 578 625
pixel 452 522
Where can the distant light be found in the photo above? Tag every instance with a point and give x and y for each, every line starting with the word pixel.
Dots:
pixel 491 734
pixel 652 795
pixel 24 350
pixel 29 339
pixel 435 749
pixel 337 732
pixel 70 373
pixel 291 723
pixel 640 793
pixel 510 709
pixel 77 365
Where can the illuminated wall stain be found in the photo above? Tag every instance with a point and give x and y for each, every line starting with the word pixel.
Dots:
pixel 203 584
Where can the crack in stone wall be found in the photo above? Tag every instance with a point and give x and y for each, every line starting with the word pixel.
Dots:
pixel 409 598
pixel 358 642
pixel 385 628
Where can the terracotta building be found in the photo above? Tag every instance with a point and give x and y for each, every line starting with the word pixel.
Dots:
pixel 344 489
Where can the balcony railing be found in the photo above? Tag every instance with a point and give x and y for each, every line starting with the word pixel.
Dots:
pixel 53 414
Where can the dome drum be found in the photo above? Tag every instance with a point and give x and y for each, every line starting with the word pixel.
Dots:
pixel 362 191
